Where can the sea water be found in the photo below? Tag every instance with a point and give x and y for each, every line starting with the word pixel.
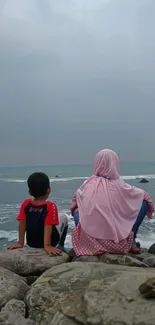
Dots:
pixel 13 190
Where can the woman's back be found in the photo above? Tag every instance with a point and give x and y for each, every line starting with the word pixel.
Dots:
pixel 108 207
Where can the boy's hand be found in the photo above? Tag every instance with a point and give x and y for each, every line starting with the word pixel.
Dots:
pixel 52 250
pixel 14 246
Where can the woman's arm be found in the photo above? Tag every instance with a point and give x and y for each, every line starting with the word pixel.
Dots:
pixel 150 205
pixel 74 204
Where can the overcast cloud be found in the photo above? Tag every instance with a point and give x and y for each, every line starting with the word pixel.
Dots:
pixel 76 76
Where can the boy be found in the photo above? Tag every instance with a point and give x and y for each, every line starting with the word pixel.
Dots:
pixel 39 218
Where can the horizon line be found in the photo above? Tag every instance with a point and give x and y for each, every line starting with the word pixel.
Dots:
pixel 72 165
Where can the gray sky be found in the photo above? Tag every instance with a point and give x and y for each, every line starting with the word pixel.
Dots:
pixel 76 76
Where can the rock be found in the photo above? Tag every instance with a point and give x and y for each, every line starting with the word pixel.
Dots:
pixel 30 261
pixel 60 319
pixel 94 259
pixel 138 244
pixel 12 286
pixel 147 289
pixel 128 260
pixel 140 257
pixel 16 307
pixel 143 180
pixel 71 254
pixel 152 249
pixel 31 279
pixel 144 250
pixel 8 318
pixel 150 260
pixel 121 260
pixel 92 294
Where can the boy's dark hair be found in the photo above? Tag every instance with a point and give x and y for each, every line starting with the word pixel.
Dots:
pixel 38 184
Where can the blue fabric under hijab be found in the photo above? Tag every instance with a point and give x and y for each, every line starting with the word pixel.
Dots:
pixel 137 224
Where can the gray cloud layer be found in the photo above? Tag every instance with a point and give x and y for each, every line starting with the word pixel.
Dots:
pixel 76 76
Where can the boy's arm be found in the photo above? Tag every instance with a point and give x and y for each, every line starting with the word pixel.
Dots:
pixel 21 229
pixel 21 235
pixel 47 241
pixel 50 221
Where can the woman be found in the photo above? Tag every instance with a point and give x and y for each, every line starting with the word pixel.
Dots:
pixel 107 211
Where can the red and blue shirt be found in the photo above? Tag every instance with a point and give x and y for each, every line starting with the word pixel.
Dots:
pixel 37 216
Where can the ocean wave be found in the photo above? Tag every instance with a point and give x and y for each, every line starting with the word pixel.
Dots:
pixel 52 179
pixel 8 235
pixel 146 240
pixel 146 236
pixel 138 177
pixel 69 179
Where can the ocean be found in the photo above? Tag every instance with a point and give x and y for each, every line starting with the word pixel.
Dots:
pixel 13 189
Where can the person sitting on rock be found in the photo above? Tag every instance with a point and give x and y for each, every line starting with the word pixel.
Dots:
pixel 39 218
pixel 107 211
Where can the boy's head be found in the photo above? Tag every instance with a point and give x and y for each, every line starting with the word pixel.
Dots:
pixel 39 185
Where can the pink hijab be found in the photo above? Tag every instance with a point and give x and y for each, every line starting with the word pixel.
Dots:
pixel 108 207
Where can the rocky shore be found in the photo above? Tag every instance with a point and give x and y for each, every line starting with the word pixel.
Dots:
pixel 36 288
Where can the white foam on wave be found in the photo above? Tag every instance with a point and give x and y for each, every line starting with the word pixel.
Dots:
pixel 52 179
pixel 146 240
pixel 138 177
pixel 68 241
pixel 13 234
pixel 9 235
pixel 68 179
pixel 12 180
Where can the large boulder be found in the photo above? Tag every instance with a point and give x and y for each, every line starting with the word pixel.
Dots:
pixel 11 286
pixel 30 261
pixel 90 293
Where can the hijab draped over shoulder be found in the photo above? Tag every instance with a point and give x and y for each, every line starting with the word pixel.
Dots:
pixel 108 207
